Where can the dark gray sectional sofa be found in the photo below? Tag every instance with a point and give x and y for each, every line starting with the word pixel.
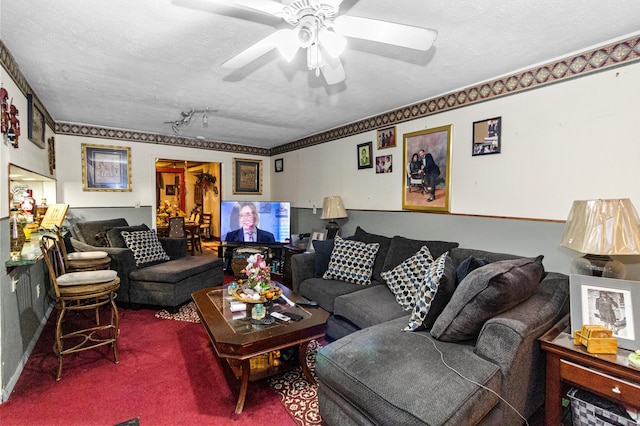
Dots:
pixel 168 283
pixel 451 370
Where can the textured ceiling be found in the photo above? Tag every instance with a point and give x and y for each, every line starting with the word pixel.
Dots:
pixel 136 64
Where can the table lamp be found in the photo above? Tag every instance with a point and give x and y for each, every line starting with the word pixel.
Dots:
pixel 601 228
pixel 333 208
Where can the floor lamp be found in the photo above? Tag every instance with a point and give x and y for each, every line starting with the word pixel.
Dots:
pixel 600 229
pixel 333 208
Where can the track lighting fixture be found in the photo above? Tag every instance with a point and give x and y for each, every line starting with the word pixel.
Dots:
pixel 186 116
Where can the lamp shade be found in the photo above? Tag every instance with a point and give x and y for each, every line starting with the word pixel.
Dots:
pixel 333 208
pixel 603 227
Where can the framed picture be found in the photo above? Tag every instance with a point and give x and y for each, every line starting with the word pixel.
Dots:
pixel 35 122
pixel 486 136
pixel 247 176
pixel 170 189
pixel 279 165
pixel 106 168
pixel 384 163
pixel 608 302
pixel 427 169
pixel 364 155
pixel 387 137
pixel 316 234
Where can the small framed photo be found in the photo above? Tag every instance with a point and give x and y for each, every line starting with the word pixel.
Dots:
pixel 247 176
pixel 316 234
pixel 364 155
pixel 170 189
pixel 486 136
pixel 384 163
pixel 106 168
pixel 35 121
pixel 608 302
pixel 387 137
pixel 279 165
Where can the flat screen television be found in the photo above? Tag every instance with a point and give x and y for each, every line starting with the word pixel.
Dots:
pixel 269 222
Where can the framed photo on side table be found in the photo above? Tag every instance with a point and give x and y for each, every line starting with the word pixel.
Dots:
pixel 106 168
pixel 247 176
pixel 35 122
pixel 609 302
pixel 316 234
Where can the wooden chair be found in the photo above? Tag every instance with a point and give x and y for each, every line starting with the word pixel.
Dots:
pixel 176 228
pixel 76 292
pixel 83 260
pixel 205 226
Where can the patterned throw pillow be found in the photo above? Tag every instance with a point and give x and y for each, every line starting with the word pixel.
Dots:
pixel 404 279
pixel 351 261
pixel 426 292
pixel 145 247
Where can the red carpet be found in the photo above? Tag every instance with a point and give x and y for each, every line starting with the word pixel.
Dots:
pixel 168 375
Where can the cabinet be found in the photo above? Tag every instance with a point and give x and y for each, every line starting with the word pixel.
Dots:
pixel 608 375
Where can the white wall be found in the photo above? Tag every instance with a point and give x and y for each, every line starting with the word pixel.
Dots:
pixel 573 140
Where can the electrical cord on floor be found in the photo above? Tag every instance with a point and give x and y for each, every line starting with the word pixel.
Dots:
pixel 469 380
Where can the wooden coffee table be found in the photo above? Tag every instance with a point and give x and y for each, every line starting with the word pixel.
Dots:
pixel 244 344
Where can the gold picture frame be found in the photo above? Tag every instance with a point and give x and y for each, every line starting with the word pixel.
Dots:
pixel 247 176
pixel 106 168
pixel 425 184
pixel 386 137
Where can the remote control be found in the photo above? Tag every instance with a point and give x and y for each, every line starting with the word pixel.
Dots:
pixel 309 303
pixel 293 316
pixel 279 316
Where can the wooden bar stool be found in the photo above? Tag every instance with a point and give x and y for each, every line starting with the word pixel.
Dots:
pixel 77 292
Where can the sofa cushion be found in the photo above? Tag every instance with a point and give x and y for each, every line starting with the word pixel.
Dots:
pixel 92 232
pixel 471 263
pixel 405 279
pixel 385 243
pixel 325 292
pixel 402 248
pixel 114 236
pixel 426 291
pixel 446 288
pixel 369 306
pixel 351 261
pixel 145 247
pixel 323 249
pixel 177 270
pixel 397 378
pixel 484 293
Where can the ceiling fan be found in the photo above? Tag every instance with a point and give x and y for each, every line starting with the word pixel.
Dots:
pixel 321 30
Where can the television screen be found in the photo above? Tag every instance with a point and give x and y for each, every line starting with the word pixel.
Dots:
pixel 257 221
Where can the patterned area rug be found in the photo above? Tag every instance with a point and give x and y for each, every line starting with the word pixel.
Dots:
pixel 298 396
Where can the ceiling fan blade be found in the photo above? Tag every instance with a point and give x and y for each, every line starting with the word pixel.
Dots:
pixel 386 32
pixel 332 42
pixel 333 71
pixel 278 39
pixel 269 7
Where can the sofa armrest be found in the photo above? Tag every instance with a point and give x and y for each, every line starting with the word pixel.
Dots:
pixel 510 340
pixel 174 247
pixel 302 268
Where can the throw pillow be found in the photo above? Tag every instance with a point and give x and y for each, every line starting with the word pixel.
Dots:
pixel 404 280
pixel 469 264
pixel 323 249
pixel 485 293
pixel 145 247
pixel 402 248
pixel 115 239
pixel 427 290
pixel 385 242
pixel 351 261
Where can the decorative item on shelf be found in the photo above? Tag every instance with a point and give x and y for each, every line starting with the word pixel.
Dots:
pixel 597 339
pixel 207 182
pixel 634 359
pixel 333 208
pixel 17 237
pixel 257 288
pixel 602 228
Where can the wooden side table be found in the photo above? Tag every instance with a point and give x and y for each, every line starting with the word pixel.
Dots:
pixel 608 375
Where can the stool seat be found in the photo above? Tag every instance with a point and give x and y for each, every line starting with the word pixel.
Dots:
pixel 88 264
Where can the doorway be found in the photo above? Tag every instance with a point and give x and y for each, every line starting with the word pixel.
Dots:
pixel 179 189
